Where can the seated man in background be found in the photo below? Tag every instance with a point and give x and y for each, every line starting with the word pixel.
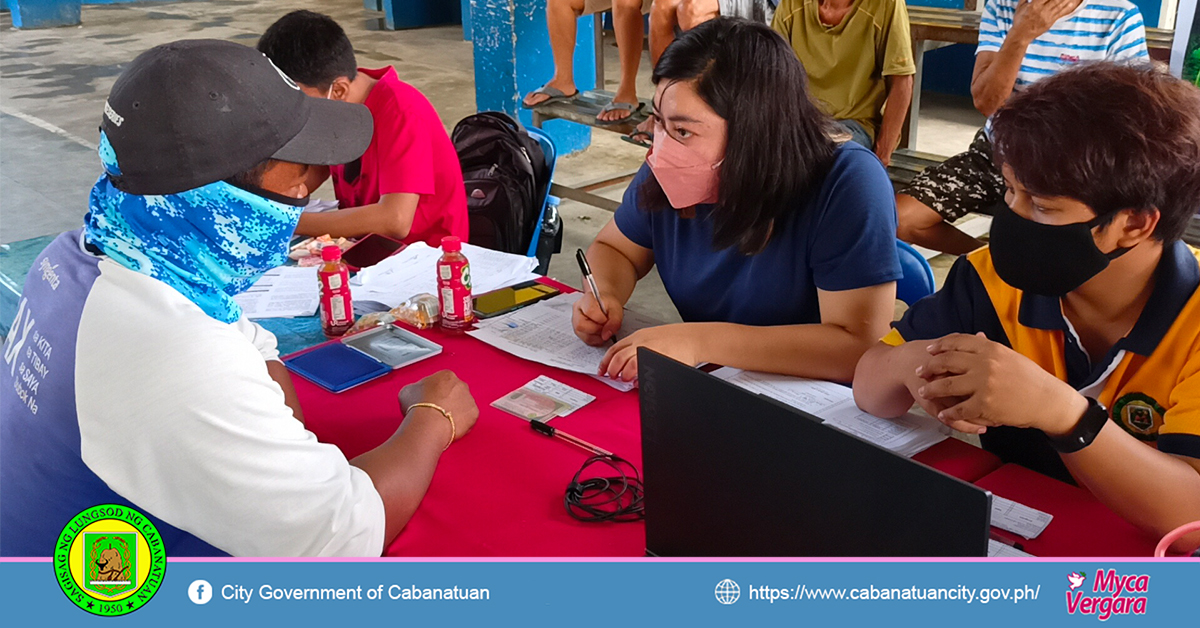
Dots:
pixel 153 391
pixel 408 185
pixel 859 61
pixel 1019 43
pixel 1071 344
pixel 561 18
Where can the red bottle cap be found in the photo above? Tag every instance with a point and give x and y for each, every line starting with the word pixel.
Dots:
pixel 451 244
pixel 331 252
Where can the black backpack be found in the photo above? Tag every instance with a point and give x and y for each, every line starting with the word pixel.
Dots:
pixel 506 178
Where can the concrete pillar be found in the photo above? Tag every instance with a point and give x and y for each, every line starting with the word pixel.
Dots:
pixel 44 13
pixel 466 19
pixel 512 58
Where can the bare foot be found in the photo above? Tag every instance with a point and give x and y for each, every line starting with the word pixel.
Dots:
pixel 616 115
pixel 534 98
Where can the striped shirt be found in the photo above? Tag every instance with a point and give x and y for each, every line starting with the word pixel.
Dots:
pixel 1099 30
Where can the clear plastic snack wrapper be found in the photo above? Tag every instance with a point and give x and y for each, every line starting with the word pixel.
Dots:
pixel 420 311
pixel 370 321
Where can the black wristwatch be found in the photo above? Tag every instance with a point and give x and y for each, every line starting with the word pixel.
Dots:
pixel 1085 431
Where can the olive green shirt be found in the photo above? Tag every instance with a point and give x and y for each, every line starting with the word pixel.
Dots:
pixel 846 64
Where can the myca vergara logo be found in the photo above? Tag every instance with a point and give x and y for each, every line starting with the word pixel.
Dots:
pixel 109 560
pixel 1111 594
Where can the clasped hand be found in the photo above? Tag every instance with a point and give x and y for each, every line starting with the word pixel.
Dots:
pixel 971 383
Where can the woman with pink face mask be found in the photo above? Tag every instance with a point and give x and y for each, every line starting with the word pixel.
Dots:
pixel 775 243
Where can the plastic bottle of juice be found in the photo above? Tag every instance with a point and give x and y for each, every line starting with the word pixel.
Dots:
pixel 454 287
pixel 337 312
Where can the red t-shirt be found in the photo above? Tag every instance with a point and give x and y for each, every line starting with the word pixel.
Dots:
pixel 411 153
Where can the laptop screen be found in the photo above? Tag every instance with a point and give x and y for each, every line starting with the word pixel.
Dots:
pixel 733 473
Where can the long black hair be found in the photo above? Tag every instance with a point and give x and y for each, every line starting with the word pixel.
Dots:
pixel 778 145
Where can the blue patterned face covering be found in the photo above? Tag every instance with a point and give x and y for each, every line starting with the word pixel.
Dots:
pixel 208 243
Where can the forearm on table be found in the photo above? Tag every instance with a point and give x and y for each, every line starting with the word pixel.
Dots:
pixel 280 374
pixel 1155 491
pixel 615 275
pixel 995 83
pixel 817 351
pixel 899 97
pixel 392 218
pixel 880 378
pixel 403 467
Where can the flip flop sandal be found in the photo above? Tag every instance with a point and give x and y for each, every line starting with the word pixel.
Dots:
pixel 632 138
pixel 618 106
pixel 553 95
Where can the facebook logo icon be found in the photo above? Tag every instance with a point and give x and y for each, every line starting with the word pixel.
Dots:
pixel 200 592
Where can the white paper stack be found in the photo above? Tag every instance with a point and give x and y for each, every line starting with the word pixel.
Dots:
pixel 833 403
pixel 284 292
pixel 543 333
pixel 414 271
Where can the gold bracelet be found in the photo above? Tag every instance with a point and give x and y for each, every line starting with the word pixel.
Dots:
pixel 445 413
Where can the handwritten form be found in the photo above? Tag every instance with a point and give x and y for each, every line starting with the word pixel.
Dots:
pixel 996 549
pixel 542 333
pixel 833 403
pixel 1018 518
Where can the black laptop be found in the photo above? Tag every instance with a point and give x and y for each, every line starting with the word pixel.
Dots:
pixel 729 472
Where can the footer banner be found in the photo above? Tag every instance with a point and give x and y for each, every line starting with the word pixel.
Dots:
pixel 643 592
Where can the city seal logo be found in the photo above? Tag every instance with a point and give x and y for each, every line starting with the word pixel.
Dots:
pixel 110 560
pixel 1139 414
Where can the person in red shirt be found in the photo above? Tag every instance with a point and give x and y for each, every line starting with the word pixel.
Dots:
pixel 408 185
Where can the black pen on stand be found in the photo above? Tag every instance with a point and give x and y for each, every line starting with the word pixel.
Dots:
pixel 586 269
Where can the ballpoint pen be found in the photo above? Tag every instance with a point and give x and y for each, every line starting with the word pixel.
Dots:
pixel 586 269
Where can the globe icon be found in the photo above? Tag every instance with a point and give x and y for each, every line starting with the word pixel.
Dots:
pixel 728 591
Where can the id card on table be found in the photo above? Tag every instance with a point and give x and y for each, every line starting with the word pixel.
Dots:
pixel 543 399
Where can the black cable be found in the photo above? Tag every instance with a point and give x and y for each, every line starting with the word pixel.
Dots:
pixel 598 499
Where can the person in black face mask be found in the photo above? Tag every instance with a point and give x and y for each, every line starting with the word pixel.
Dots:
pixel 1071 345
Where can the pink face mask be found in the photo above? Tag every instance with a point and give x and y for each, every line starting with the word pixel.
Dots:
pixel 685 177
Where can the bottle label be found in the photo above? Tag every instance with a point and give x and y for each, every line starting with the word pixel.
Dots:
pixel 454 291
pixel 337 309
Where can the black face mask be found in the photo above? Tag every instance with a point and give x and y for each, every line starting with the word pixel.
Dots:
pixel 1050 260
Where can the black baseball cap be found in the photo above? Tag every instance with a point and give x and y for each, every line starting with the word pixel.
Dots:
pixel 197 111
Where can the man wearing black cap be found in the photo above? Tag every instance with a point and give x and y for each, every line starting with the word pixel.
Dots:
pixel 131 375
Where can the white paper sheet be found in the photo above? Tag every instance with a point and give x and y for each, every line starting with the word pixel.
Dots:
pixel 285 292
pixel 834 403
pixel 316 206
pixel 542 333
pixel 996 549
pixel 1018 518
pixel 414 271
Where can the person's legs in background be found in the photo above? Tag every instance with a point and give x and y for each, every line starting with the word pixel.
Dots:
pixel 630 31
pixel 562 17
pixel 664 18
pixel 858 133
pixel 967 182
pixel 693 13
